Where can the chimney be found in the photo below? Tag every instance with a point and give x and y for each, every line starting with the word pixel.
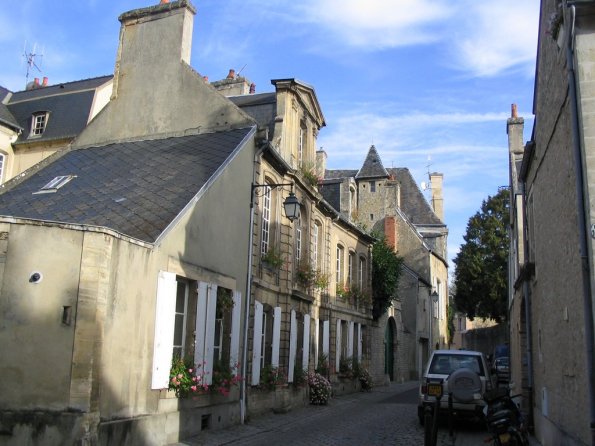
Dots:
pixel 390 232
pixel 36 82
pixel 234 85
pixel 153 42
pixel 231 74
pixel 321 157
pixel 252 88
pixel 45 82
pixel 437 200
pixel 514 129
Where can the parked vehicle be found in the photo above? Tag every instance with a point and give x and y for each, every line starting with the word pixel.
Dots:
pixel 502 368
pixel 463 373
pixel 505 421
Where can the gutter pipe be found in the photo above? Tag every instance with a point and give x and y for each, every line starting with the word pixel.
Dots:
pixel 582 217
pixel 248 297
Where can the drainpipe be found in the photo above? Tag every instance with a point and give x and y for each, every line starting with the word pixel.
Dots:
pixel 582 216
pixel 248 298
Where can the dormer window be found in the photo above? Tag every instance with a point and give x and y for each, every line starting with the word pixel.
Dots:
pixel 38 123
pixel 55 184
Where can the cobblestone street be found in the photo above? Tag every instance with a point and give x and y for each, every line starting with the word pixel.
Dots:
pixel 385 416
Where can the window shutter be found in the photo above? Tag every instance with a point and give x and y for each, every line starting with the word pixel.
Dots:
pixel 163 342
pixel 316 340
pixel 276 337
pixel 306 343
pixel 350 339
pixel 359 343
pixel 210 332
pixel 292 346
pixel 234 351
pixel 326 339
pixel 256 343
pixel 201 323
pixel 338 345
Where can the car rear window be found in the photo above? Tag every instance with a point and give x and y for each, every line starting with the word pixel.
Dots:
pixel 446 364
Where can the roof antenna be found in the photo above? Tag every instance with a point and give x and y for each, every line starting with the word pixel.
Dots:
pixel 30 61
pixel 427 186
pixel 241 69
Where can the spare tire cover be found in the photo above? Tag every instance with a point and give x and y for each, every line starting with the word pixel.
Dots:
pixel 464 384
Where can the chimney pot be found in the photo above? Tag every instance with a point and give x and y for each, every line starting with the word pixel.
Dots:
pixel 206 78
pixel 163 1
pixel 45 82
pixel 252 88
pixel 513 111
pixel 231 74
pixel 36 82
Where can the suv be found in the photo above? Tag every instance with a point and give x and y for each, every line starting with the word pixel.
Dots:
pixel 463 373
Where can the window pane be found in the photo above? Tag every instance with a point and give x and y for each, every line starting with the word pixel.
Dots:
pixel 181 297
pixel 178 329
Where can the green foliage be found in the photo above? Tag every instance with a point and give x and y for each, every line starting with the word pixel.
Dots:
pixel 320 389
pixel 482 263
pixel 308 171
pixel 273 258
pixel 309 277
pixel 300 376
pixel 386 271
pixel 270 377
pixel 450 317
pixel 322 367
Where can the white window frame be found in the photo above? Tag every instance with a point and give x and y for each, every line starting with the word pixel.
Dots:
pixel 350 266
pixel 301 140
pixel 298 239
pixel 184 318
pixel 2 162
pixel 339 264
pixel 360 272
pixel 315 241
pixel 39 122
pixel 266 220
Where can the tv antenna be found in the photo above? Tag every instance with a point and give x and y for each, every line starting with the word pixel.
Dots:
pixel 30 60
pixel 427 185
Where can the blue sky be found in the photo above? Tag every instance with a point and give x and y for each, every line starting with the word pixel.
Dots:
pixel 425 81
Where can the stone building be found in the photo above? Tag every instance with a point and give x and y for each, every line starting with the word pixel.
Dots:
pixel 44 119
pixel 388 202
pixel 118 255
pixel 552 221
pixel 312 309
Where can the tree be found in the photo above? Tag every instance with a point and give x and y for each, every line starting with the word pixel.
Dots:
pixel 482 263
pixel 386 270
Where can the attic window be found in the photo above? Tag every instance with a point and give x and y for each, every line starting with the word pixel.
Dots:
pixel 55 184
pixel 38 123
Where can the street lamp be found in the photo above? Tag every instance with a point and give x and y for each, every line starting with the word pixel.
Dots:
pixel 434 298
pixel 291 205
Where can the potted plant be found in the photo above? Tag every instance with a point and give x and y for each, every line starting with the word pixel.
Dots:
pixel 273 259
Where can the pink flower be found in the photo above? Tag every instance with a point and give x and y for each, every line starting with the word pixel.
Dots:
pixel 193 388
pixel 189 370
pixel 180 376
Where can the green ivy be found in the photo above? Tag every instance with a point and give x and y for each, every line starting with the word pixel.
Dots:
pixel 386 271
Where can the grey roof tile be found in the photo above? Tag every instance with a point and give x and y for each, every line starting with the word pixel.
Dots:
pixel 413 202
pixel 372 167
pixel 155 179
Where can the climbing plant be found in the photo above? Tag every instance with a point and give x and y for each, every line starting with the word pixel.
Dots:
pixel 386 271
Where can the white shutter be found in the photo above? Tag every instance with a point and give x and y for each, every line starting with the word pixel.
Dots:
pixel 201 325
pixel 350 339
pixel 163 342
pixel 276 337
pixel 210 332
pixel 292 346
pixel 326 343
pixel 316 341
pixel 234 350
pixel 359 343
pixel 306 342
pixel 256 343
pixel 338 346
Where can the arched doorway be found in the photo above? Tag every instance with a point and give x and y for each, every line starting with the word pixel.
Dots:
pixel 389 348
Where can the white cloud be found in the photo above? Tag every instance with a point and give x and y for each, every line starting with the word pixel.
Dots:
pixel 378 23
pixel 496 36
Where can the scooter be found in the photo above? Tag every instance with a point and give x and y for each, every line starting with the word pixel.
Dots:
pixel 504 420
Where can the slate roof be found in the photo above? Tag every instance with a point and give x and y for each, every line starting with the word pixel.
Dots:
pixel 262 107
pixel 69 105
pixel 372 167
pixel 135 188
pixel 413 203
pixel 6 116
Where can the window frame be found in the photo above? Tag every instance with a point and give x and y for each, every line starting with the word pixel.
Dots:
pixel 265 230
pixel 340 263
pixel 39 122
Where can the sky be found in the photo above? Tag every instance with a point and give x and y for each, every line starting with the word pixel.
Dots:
pixel 429 83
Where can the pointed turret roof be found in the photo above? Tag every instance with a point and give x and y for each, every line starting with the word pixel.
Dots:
pixel 372 167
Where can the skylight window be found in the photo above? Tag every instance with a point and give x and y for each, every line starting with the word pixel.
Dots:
pixel 55 184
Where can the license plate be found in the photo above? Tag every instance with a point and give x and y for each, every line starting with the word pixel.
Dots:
pixel 435 389
pixel 504 438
